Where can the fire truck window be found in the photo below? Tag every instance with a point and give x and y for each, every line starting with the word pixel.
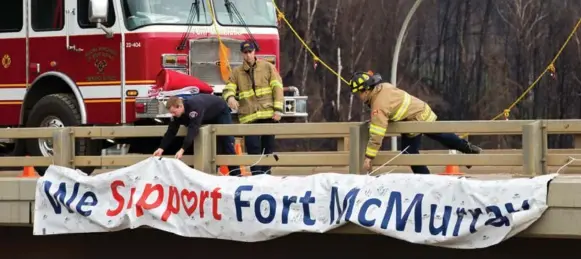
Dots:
pixel 140 13
pixel 11 18
pixel 83 15
pixel 253 12
pixel 47 15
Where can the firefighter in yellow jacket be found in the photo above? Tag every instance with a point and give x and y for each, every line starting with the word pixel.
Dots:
pixel 389 103
pixel 260 94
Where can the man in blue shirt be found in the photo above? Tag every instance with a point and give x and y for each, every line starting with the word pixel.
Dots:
pixel 193 113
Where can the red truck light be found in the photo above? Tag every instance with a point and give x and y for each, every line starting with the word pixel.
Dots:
pixel 174 61
pixel 140 108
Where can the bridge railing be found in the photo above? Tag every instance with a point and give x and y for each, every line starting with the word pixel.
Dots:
pixel 534 156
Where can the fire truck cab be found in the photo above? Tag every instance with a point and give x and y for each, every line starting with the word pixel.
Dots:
pixel 98 62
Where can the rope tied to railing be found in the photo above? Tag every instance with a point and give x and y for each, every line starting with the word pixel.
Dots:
pixel 506 114
pixel 389 161
pixel 550 68
pixel 571 160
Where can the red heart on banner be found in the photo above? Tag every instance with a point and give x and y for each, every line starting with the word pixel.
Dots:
pixel 187 197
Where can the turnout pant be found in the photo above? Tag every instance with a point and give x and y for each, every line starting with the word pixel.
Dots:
pixel 225 144
pixel 258 145
pixel 449 140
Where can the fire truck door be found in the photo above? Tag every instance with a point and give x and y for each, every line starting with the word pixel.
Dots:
pixel 47 50
pixel 98 64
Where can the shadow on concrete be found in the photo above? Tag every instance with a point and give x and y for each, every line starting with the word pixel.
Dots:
pixel 18 242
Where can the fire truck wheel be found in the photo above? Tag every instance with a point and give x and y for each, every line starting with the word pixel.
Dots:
pixel 58 110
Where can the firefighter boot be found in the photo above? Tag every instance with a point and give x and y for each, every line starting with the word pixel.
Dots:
pixel 469 148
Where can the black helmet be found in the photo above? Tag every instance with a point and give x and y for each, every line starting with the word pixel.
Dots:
pixel 363 81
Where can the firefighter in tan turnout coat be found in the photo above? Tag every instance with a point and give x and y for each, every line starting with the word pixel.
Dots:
pixel 389 103
pixel 261 96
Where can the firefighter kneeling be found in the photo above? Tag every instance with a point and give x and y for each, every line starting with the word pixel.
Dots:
pixel 389 103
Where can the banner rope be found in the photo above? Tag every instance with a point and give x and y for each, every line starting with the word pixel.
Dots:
pixel 389 161
pixel 250 166
pixel 571 160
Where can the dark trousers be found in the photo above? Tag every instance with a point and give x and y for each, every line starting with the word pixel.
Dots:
pixel 225 144
pixel 449 140
pixel 258 145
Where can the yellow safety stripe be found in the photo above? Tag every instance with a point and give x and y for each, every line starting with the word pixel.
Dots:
pixel 245 94
pixel 432 117
pixel 428 116
pixel 267 114
pixel 277 105
pixel 227 95
pixel 259 92
pixel 376 130
pixel 263 91
pixel 403 108
pixel 229 90
pixel 275 83
pixel 371 152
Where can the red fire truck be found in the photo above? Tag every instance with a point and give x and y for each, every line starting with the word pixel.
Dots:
pixel 96 62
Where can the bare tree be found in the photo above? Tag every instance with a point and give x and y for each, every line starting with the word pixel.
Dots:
pixel 469 59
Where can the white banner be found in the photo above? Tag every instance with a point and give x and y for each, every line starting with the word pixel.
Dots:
pixel 168 195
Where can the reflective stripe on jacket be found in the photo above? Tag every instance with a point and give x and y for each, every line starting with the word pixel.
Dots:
pixel 389 103
pixel 260 91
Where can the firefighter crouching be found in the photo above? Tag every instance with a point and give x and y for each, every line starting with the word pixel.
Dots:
pixel 260 94
pixel 389 103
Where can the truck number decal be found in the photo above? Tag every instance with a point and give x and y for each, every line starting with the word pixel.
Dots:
pixel 136 44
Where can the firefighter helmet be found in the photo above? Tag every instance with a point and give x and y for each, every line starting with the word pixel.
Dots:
pixel 363 81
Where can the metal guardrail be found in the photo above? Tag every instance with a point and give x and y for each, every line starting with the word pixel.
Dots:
pixel 535 157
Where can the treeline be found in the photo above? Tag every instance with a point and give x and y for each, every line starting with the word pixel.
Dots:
pixel 469 59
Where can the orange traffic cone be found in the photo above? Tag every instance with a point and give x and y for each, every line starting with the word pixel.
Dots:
pixel 238 149
pixel 224 170
pixel 452 169
pixel 28 171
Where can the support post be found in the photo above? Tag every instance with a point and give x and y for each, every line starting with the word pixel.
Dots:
pixel 343 144
pixel 545 147
pixel 63 146
pixel 532 146
pixel 204 155
pixel 576 141
pixel 358 136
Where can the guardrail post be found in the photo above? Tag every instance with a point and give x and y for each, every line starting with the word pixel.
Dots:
pixel 63 146
pixel 213 140
pixel 358 136
pixel 532 146
pixel 203 151
pixel 545 147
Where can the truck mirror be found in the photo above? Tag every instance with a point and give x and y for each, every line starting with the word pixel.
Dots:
pixel 98 10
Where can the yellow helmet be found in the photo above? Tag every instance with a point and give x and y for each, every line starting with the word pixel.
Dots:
pixel 363 81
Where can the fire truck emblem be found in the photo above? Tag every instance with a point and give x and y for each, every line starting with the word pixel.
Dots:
pixel 6 61
pixel 99 57
pixel 100 65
